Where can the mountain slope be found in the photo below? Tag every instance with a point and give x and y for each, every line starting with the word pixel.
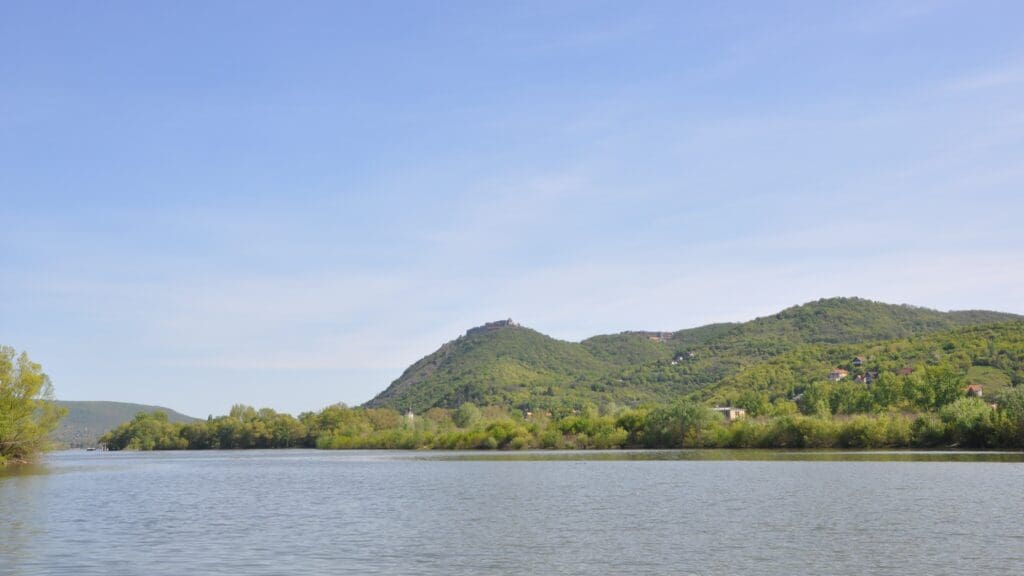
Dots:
pixel 504 364
pixel 500 364
pixel 713 355
pixel 86 421
pixel 991 355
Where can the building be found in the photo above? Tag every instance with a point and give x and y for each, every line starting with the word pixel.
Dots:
pixel 858 361
pixel 906 371
pixel 731 414
pixel 866 378
pixel 974 391
pixel 490 326
pixel 837 374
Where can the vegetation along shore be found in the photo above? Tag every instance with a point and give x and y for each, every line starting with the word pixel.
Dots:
pixel 836 373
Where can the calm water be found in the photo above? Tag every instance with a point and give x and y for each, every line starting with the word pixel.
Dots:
pixel 311 512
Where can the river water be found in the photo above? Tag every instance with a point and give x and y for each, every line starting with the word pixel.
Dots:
pixel 314 512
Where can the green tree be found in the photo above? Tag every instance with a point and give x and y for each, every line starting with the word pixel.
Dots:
pixel 965 421
pixel 147 431
pixel 466 415
pixel 27 411
pixel 681 424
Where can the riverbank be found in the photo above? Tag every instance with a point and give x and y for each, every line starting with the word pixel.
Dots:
pixel 967 423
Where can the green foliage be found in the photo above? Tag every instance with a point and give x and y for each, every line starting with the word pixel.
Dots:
pixel 942 364
pixel 466 415
pixel 86 421
pixel 512 388
pixel 749 364
pixel 509 366
pixel 27 412
pixel 681 424
pixel 146 431
pixel 967 421
pixel 244 427
pixel 628 349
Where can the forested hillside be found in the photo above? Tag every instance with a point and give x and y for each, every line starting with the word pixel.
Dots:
pixel 509 365
pixel 843 373
pixel 880 375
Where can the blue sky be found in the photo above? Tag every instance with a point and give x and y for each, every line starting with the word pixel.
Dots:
pixel 205 203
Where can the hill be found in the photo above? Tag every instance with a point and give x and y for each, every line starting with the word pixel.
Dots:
pixel 502 363
pixel 86 421
pixel 706 355
pixel 990 355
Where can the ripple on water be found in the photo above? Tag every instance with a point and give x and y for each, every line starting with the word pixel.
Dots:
pixel 680 512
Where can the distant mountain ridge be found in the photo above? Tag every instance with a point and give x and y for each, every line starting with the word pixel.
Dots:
pixel 503 363
pixel 87 420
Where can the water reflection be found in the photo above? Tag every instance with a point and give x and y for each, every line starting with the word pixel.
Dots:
pixel 17 470
pixel 732 455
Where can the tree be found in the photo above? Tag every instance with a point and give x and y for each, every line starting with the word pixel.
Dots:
pixel 146 431
pixel 466 415
pixel 965 421
pixel 27 411
pixel 678 425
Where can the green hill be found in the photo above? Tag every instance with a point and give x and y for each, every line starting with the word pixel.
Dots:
pixel 497 364
pixel 86 421
pixel 502 363
pixel 991 355
pixel 707 355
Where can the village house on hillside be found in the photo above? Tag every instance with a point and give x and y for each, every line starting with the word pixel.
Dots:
pixel 689 355
pixel 730 413
pixel 866 378
pixel 858 361
pixel 837 374
pixel 974 391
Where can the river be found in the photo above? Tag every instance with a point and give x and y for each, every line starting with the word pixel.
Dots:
pixel 675 512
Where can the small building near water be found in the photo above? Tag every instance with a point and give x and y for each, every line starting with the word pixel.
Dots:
pixel 730 413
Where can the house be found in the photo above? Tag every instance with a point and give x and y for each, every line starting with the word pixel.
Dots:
pixel 837 374
pixel 866 378
pixel 974 391
pixel 906 371
pixel 731 414
pixel 858 361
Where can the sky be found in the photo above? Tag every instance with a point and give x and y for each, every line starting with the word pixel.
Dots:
pixel 286 204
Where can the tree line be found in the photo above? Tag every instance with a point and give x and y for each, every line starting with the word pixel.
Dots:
pixel 962 422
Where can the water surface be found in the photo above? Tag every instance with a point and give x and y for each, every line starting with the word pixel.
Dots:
pixel 672 512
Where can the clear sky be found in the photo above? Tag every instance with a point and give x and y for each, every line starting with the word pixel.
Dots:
pixel 284 204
